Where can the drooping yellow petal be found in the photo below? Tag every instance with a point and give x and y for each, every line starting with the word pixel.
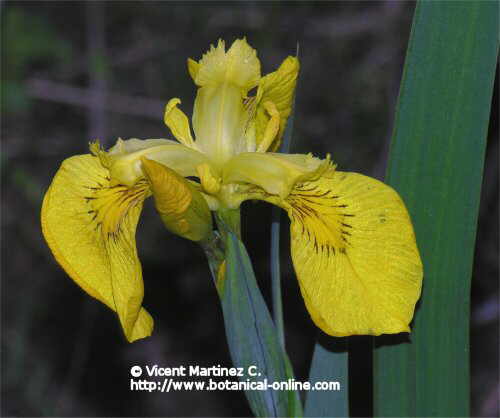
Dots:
pixel 355 255
pixel 90 228
pixel 182 208
pixel 277 87
pixel 178 123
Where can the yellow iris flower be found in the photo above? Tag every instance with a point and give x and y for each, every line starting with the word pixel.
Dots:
pixel 352 242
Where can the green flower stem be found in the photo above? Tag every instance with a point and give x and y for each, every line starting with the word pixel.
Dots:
pixel 215 245
pixel 230 219
pixel 215 252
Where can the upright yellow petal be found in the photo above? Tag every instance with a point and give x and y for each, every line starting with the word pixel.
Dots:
pixel 182 208
pixel 219 116
pixel 239 66
pixel 193 68
pixel 355 255
pixel 90 228
pixel 277 87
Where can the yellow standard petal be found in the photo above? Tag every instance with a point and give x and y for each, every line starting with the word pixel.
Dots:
pixel 354 251
pixel 239 66
pixel 277 87
pixel 90 228
pixel 219 115
pixel 182 208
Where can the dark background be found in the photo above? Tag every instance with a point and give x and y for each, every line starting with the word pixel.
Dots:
pixel 75 71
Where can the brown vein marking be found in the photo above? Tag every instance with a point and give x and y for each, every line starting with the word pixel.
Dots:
pixel 301 188
pixel 302 213
pixel 324 194
pixel 120 196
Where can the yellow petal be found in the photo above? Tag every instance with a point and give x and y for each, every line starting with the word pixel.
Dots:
pixel 126 157
pixel 275 173
pixel 90 228
pixel 220 120
pixel 239 66
pixel 178 123
pixel 182 208
pixel 277 87
pixel 355 255
pixel 193 68
pixel 272 127
pixel 209 182
pixel 128 146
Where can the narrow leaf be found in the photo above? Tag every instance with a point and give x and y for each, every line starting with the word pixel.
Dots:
pixel 436 164
pixel 329 363
pixel 252 336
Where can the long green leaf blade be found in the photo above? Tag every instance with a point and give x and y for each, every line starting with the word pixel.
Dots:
pixel 252 336
pixel 329 363
pixel 436 164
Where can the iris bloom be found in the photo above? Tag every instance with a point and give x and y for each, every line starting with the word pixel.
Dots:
pixel 352 242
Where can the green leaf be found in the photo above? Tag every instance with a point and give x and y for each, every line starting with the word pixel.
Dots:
pixel 436 164
pixel 329 363
pixel 252 336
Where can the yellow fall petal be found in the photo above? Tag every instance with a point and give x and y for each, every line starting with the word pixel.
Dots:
pixel 178 123
pixel 182 208
pixel 90 227
pixel 355 255
pixel 277 87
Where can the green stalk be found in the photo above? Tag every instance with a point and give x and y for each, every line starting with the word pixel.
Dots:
pixel 436 164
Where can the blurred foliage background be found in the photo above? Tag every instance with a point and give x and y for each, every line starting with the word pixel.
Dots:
pixel 76 71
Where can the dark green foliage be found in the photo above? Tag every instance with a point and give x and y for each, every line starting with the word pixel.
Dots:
pixel 436 164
